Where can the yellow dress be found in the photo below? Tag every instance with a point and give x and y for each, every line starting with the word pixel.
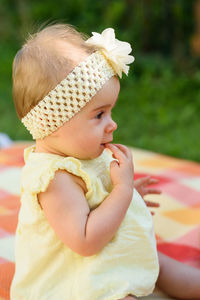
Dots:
pixel 46 269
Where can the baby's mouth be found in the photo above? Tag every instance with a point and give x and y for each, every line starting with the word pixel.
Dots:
pixel 106 143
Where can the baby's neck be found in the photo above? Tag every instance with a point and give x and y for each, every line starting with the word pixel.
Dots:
pixel 42 146
pixel 46 146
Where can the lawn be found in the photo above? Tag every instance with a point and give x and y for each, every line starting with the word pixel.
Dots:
pixel 158 107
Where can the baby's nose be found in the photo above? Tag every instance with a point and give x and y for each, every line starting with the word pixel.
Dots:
pixel 112 126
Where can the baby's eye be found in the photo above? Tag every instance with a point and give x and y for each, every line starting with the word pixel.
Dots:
pixel 99 115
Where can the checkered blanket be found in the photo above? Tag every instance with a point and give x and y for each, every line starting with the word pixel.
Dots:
pixel 177 220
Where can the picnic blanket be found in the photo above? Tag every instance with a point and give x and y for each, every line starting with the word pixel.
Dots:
pixel 177 220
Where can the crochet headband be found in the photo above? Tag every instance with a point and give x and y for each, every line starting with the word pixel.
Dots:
pixel 80 85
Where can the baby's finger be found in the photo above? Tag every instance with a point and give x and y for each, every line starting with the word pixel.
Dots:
pixel 114 164
pixel 143 181
pixel 152 191
pixel 152 204
pixel 147 180
pixel 125 150
pixel 117 153
pixel 153 180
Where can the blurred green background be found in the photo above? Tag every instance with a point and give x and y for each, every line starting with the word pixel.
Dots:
pixel 159 103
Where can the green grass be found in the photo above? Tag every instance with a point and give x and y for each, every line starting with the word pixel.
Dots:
pixel 158 107
pixel 159 110
pixel 9 123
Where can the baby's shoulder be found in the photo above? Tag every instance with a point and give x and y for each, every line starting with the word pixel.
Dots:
pixel 63 185
pixel 63 178
pixel 42 168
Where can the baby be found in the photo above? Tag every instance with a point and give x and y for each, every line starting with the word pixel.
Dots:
pixel 83 232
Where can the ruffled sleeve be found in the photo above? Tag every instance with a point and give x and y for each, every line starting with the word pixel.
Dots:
pixel 40 169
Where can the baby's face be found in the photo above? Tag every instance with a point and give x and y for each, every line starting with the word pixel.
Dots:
pixel 85 135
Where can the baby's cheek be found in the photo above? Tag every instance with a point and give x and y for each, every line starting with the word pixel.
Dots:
pixel 84 145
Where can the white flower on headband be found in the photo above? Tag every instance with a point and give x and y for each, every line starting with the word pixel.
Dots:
pixel 116 52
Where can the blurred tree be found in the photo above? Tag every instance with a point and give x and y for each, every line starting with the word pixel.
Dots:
pixel 195 42
pixel 163 26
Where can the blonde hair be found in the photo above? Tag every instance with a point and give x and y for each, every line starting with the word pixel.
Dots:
pixel 39 65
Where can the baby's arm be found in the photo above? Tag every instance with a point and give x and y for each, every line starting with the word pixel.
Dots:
pixel 87 232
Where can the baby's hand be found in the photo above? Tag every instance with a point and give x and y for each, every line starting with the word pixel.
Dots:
pixel 121 172
pixel 141 185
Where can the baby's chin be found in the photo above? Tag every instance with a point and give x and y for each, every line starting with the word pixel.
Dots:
pixel 90 156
